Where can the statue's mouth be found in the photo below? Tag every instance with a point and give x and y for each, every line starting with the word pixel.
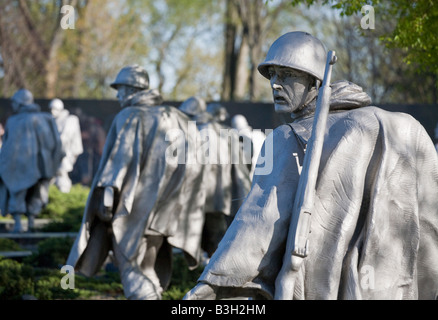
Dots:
pixel 279 99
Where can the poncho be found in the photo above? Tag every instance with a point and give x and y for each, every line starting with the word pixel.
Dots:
pixel 70 131
pixel 153 195
pixel 31 151
pixel 374 232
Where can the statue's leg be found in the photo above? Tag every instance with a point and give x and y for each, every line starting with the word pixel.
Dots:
pixel 30 223
pixel 147 265
pixel 63 182
pixel 36 198
pixel 18 227
pixel 17 207
pixel 139 283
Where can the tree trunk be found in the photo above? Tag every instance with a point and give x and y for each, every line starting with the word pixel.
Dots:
pixel 242 75
pixel 230 69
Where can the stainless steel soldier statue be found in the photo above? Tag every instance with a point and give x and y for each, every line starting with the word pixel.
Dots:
pixel 373 229
pixel 30 157
pixel 141 204
pixel 70 131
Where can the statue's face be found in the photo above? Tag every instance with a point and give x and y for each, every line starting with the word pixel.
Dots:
pixel 289 88
pixel 124 92
pixel 15 105
pixel 55 112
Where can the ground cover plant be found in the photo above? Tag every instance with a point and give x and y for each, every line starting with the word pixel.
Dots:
pixel 39 275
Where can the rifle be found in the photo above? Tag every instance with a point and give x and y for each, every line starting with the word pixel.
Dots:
pixel 298 242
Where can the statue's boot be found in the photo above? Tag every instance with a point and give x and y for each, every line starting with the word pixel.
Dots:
pixel 18 227
pixel 30 223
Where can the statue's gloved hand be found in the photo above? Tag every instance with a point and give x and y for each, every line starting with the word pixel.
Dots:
pixel 105 208
pixel 201 291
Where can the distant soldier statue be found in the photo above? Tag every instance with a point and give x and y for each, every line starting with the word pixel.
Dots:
pixel 256 137
pixel 30 156
pixel 372 226
pixel 226 182
pixel 218 111
pixel 70 131
pixel 142 204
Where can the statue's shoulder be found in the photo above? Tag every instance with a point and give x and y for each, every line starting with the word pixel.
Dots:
pixel 283 132
pixel 384 117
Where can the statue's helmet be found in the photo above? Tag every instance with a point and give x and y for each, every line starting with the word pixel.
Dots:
pixel 23 97
pixel 239 122
pixel 56 104
pixel 298 50
pixel 134 76
pixel 193 106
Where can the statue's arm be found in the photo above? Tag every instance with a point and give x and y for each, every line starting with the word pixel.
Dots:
pixel 201 291
pixel 106 205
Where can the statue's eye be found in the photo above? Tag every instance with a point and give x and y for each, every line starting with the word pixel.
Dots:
pixel 291 74
pixel 271 73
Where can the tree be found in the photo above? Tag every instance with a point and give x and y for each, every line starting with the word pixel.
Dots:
pixel 184 55
pixel 415 31
pixel 249 24
pixel 108 36
pixel 29 46
pixel 381 70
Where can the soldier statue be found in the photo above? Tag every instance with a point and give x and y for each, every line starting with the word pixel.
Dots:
pixel 226 183
pixel 70 131
pixel 30 157
pixel 142 204
pixel 372 227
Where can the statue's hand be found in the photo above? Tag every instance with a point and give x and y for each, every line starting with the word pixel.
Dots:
pixel 201 291
pixel 105 214
pixel 105 210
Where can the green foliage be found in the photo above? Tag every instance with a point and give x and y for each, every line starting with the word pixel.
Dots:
pixel 16 279
pixel 52 253
pixel 416 29
pixel 183 279
pixel 106 285
pixel 61 204
pixel 9 245
pixel 39 274
pixel 47 286
pixel 66 209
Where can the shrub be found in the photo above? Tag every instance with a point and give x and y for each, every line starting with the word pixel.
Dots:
pixel 65 209
pixel 183 279
pixel 9 245
pixel 52 253
pixel 48 286
pixel 16 280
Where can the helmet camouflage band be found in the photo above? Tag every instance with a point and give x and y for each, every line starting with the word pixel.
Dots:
pixel 134 76
pixel 297 50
